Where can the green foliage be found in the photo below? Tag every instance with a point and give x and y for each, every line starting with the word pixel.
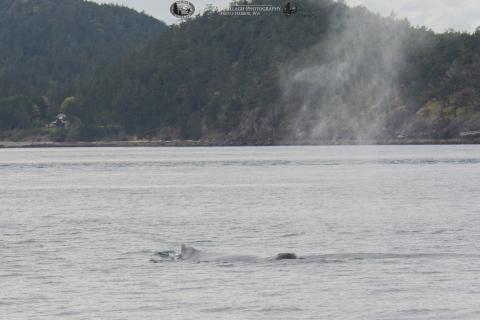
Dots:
pixel 58 134
pixel 21 112
pixel 204 76
pixel 48 46
pixel 218 75
pixel 117 73
pixel 67 105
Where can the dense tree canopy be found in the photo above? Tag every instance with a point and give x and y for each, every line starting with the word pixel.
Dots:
pixel 47 47
pixel 327 72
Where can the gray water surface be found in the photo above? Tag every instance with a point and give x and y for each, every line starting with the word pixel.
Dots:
pixel 385 232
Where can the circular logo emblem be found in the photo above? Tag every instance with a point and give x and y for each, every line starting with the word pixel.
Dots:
pixel 289 9
pixel 182 9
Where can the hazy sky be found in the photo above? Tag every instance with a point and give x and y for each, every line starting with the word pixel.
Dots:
pixel 439 15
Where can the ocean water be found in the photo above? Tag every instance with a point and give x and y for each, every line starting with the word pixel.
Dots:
pixel 382 232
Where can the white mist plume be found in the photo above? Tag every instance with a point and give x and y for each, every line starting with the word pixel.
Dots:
pixel 345 85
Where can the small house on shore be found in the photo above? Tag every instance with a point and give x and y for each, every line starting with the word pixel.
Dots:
pixel 59 122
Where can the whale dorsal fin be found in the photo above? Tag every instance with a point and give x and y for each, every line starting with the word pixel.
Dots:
pixel 187 252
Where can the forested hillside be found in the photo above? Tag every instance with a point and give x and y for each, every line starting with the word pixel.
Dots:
pixel 48 47
pixel 329 73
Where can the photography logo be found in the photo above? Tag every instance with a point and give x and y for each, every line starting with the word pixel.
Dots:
pixel 289 9
pixel 237 9
pixel 182 9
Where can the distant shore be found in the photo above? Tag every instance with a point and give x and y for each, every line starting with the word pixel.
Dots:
pixel 207 143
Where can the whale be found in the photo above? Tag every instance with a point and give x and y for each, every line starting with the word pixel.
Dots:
pixel 286 256
pixel 192 254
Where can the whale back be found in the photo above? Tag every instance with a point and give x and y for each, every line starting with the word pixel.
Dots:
pixel 285 256
pixel 192 254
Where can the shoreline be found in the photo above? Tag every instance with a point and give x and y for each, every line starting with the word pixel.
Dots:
pixel 206 143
